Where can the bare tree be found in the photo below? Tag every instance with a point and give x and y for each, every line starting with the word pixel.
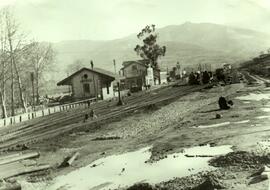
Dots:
pixel 40 57
pixel 14 40
pixel 3 80
pixel 3 68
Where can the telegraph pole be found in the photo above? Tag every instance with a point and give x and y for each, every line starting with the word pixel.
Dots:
pixel 120 102
pixel 178 69
pixel 33 89
pixel 114 64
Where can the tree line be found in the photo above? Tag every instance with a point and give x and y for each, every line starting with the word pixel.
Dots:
pixel 22 64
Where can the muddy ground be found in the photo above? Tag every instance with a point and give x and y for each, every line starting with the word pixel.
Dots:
pixel 170 127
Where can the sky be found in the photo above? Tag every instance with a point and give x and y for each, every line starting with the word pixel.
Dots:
pixel 59 20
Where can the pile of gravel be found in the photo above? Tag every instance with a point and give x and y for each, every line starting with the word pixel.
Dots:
pixel 210 183
pixel 142 186
pixel 207 180
pixel 241 159
pixel 202 181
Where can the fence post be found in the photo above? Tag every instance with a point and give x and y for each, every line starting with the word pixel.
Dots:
pixel 5 122
pixel 20 118
pixel 33 116
pixel 11 120
pixel 54 110
pixel 49 111
pixel 29 116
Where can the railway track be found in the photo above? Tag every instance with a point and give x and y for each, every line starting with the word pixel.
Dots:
pixel 61 123
pixel 57 118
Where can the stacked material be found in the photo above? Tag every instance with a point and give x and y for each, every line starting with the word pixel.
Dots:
pixel 17 164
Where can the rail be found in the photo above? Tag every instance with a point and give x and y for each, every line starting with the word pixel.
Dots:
pixel 41 113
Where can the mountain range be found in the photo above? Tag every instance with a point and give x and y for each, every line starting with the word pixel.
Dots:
pixel 189 43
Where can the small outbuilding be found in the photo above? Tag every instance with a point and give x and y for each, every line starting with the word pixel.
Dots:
pixel 90 83
pixel 138 74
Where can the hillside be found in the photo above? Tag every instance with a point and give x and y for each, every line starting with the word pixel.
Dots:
pixel 188 43
pixel 258 66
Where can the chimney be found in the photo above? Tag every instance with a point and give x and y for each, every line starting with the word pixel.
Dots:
pixel 92 64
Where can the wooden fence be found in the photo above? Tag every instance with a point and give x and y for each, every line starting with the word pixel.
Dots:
pixel 40 113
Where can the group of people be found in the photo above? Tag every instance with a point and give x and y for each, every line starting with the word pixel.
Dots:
pixel 200 77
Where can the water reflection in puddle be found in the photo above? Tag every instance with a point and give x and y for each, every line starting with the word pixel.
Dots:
pixel 129 168
pixel 213 125
pixel 242 122
pixel 265 109
pixel 254 97
pixel 263 117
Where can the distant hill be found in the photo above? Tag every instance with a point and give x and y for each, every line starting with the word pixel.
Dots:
pixel 188 43
pixel 259 65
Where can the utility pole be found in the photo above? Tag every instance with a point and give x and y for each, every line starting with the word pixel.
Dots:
pixel 120 102
pixel 178 69
pixel 94 82
pixel 12 90
pixel 69 87
pixel 114 64
pixel 33 89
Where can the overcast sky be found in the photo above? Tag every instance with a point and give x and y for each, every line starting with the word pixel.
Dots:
pixel 57 20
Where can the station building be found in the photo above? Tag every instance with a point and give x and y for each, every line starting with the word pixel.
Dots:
pixel 90 83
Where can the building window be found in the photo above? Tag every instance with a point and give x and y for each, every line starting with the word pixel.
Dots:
pixel 85 76
pixel 108 89
pixel 134 68
pixel 86 88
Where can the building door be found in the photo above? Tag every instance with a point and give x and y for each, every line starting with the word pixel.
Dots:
pixel 86 89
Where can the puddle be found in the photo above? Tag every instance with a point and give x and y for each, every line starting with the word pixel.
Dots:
pixel 253 96
pixel 221 124
pixel 265 109
pixel 263 117
pixel 241 122
pixel 129 168
pixel 214 125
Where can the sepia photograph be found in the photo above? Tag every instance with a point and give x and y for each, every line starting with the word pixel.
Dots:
pixel 134 94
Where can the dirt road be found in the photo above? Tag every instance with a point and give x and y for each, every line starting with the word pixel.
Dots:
pixel 169 127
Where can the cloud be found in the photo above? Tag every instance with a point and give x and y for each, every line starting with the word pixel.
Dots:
pixel 109 19
pixel 4 3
